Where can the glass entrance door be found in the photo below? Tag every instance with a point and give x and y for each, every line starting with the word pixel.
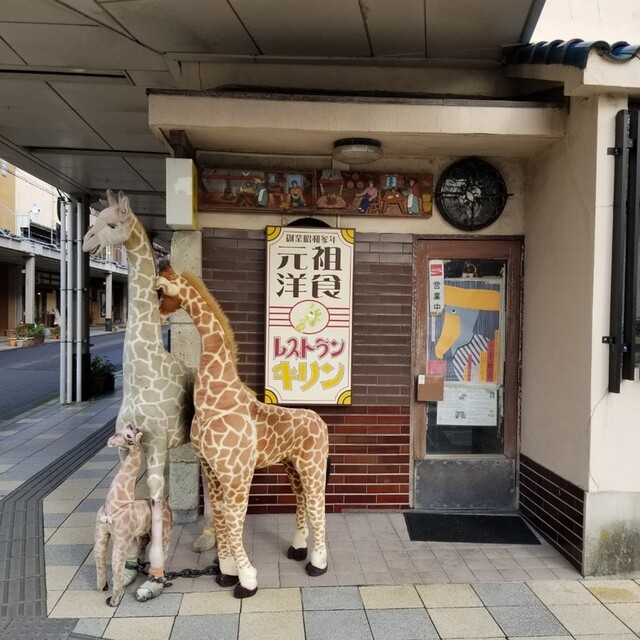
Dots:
pixel 467 345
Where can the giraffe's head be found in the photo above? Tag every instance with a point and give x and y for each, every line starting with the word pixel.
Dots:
pixel 112 226
pixel 126 438
pixel 168 289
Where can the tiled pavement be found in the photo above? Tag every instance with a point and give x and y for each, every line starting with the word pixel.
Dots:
pixel 380 585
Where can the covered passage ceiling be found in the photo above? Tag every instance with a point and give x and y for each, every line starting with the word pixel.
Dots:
pixel 74 74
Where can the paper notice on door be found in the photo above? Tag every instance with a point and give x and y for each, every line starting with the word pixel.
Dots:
pixel 469 406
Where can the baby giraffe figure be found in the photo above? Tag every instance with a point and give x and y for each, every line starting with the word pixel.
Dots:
pixel 125 519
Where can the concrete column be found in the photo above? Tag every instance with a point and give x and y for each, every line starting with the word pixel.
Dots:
pixel 108 321
pixel 29 289
pixel 184 470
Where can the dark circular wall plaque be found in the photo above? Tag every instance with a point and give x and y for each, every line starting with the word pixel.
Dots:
pixel 471 194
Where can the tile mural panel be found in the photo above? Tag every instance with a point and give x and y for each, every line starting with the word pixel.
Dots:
pixel 322 192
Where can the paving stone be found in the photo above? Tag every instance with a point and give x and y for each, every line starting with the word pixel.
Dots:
pixel 509 594
pixel 273 600
pixel 91 626
pixel 390 597
pixel 609 591
pixel 54 520
pixel 168 604
pixel 629 613
pixel 585 619
pixel 562 592
pixel 336 625
pixel 90 504
pixel 153 628
pixel 205 603
pixel 527 620
pixel 85 577
pixel 401 624
pixel 448 595
pixel 67 554
pixel 333 598
pixel 206 627
pixel 472 622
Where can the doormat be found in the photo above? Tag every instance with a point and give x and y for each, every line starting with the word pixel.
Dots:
pixel 463 527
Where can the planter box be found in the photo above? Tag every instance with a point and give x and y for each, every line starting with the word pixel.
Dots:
pixel 102 384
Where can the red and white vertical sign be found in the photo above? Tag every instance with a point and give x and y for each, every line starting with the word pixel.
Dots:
pixel 436 287
pixel 309 315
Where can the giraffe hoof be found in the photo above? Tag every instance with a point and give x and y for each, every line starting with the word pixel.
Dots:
pixel 111 602
pixel 205 541
pixel 297 554
pixel 314 572
pixel 149 590
pixel 130 576
pixel 225 580
pixel 243 592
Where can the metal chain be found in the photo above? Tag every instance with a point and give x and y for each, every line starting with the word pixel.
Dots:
pixel 211 570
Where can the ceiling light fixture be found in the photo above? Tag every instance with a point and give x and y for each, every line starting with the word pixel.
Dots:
pixel 357 150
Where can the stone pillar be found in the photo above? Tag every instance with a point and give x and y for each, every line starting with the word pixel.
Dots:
pixel 108 311
pixel 29 289
pixel 184 470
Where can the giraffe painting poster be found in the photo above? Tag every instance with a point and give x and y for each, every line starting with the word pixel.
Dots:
pixel 309 315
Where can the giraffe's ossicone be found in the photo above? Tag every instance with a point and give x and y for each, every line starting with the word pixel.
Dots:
pixel 234 433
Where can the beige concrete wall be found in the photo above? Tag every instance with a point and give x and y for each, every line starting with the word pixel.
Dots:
pixel 615 437
pixel 570 423
pixel 8 198
pixel 609 20
pixel 558 288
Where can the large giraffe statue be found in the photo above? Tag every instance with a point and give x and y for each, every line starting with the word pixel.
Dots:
pixel 233 433
pixel 123 519
pixel 157 387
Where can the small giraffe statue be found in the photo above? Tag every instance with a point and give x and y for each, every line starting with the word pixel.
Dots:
pixel 233 433
pixel 123 518
pixel 157 387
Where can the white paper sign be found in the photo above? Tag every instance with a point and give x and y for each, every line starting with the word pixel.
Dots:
pixel 469 406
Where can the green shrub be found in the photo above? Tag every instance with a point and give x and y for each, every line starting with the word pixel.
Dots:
pixel 101 367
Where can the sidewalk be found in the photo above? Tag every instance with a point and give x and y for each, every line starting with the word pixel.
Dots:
pixel 54 475
pixel 93 331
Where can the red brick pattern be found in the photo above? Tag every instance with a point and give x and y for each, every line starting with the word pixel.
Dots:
pixel 369 440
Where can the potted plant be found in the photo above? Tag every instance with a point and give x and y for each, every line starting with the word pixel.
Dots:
pixel 102 375
pixel 54 332
pixel 23 335
pixel 36 331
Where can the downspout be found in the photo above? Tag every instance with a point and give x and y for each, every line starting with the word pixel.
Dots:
pixel 78 290
pixel 69 305
pixel 62 212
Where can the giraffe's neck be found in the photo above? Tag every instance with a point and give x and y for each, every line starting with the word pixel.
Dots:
pixel 144 315
pixel 216 355
pixel 123 487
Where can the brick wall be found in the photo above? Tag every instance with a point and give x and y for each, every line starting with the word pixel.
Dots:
pixel 555 507
pixel 369 440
